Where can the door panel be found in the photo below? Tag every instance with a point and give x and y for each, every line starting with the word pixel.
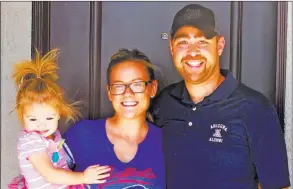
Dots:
pixel 140 25
pixel 259 46
pixel 69 31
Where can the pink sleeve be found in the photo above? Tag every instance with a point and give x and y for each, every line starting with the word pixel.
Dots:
pixel 30 143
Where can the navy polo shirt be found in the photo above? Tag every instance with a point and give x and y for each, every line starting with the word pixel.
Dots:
pixel 230 140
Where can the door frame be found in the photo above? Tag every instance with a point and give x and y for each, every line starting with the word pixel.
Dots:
pixel 0 91
pixel 41 41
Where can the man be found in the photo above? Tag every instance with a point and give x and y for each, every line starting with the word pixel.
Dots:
pixel 218 134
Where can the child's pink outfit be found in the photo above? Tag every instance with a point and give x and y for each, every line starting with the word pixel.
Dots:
pixel 29 143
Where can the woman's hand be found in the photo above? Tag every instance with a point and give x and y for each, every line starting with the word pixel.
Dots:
pixel 96 174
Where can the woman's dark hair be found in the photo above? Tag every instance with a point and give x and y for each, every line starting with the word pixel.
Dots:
pixel 123 55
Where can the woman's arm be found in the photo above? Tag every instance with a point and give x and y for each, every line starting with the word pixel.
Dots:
pixel 92 175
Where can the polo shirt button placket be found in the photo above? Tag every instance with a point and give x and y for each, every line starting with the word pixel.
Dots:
pixel 190 123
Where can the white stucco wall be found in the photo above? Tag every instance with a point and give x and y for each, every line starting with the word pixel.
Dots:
pixel 288 93
pixel 15 45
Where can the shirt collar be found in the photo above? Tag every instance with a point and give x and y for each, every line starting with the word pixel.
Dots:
pixel 223 91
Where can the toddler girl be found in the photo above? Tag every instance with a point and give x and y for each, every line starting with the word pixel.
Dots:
pixel 40 104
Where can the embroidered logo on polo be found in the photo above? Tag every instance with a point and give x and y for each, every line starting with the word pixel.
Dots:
pixel 218 130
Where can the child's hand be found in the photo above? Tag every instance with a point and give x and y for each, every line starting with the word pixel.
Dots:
pixel 95 174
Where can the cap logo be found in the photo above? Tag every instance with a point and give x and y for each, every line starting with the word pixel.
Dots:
pixel 192 14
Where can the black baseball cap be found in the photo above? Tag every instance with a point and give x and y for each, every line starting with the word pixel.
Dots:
pixel 197 16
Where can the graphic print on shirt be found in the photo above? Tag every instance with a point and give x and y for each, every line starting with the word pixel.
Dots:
pixel 217 136
pixel 130 178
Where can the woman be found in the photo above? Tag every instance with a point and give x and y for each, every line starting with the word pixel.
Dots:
pixel 126 142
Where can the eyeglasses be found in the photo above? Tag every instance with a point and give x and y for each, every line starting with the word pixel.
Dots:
pixel 135 87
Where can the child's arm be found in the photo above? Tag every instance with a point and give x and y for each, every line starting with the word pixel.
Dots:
pixel 92 175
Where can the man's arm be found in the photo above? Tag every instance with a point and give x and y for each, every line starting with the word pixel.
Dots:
pixel 268 148
pixel 259 187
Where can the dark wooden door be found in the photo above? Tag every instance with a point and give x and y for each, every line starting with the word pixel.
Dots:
pixel 140 25
pixel 88 33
